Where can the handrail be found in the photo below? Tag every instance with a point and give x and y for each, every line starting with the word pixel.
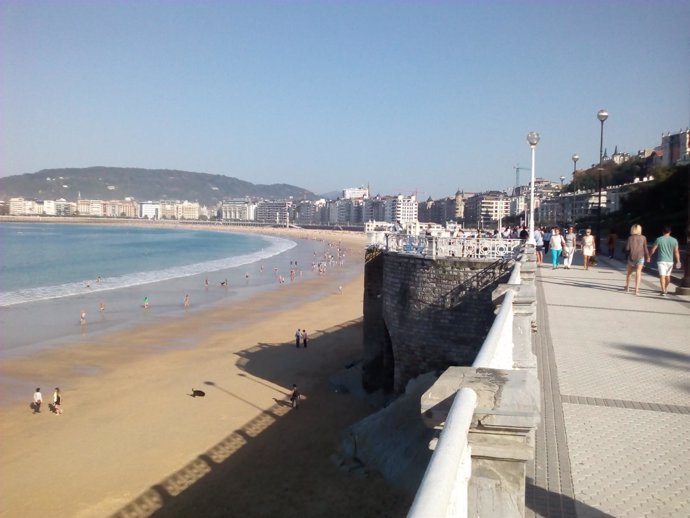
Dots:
pixel 497 350
pixel 515 274
pixel 443 491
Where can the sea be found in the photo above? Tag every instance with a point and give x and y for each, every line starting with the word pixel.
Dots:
pixel 52 273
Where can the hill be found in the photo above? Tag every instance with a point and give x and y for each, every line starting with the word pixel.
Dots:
pixel 108 183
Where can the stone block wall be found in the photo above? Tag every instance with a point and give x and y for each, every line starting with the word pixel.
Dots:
pixel 423 314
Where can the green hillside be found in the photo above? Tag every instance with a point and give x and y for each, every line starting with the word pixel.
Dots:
pixel 108 183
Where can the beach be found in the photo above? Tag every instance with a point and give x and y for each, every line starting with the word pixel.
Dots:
pixel 132 440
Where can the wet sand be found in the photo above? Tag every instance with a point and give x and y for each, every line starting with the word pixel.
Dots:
pixel 133 442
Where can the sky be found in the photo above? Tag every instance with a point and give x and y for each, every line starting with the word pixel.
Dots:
pixel 423 97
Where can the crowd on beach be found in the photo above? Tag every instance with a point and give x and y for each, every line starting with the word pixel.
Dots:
pixel 564 246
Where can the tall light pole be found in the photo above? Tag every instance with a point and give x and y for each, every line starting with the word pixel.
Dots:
pixel 533 140
pixel 602 115
pixel 575 159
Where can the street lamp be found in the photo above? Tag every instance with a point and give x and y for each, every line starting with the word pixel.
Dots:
pixel 602 115
pixel 575 159
pixel 533 140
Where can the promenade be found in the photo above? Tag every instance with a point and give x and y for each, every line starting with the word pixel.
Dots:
pixel 615 371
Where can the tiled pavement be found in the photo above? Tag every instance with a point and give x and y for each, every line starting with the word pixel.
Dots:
pixel 615 371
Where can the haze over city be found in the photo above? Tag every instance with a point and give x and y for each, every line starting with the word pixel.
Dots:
pixel 402 96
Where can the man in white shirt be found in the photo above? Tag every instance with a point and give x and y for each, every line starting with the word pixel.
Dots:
pixel 38 399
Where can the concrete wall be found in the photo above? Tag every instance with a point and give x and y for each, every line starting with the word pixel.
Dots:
pixel 424 315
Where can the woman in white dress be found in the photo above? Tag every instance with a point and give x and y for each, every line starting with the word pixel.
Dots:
pixel 588 246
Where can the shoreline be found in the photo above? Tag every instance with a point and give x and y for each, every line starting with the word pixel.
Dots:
pixel 131 431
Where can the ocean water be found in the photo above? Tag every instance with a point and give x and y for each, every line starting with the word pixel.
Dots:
pixel 49 275
pixel 45 261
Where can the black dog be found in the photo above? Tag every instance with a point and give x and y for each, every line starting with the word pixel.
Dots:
pixel 197 393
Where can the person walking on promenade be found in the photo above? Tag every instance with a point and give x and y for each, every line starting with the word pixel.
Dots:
pixel 298 335
pixel 539 247
pixel 57 401
pixel 547 240
pixel 668 251
pixel 556 245
pixel 295 396
pixel 636 248
pixel 305 338
pixel 38 400
pixel 589 249
pixel 612 241
pixel 569 249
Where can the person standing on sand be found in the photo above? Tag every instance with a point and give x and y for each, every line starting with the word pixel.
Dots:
pixel 304 337
pixel 295 396
pixel 146 303
pixel 668 251
pixel 38 399
pixel 297 337
pixel 186 301
pixel 636 248
pixel 57 401
pixel 82 317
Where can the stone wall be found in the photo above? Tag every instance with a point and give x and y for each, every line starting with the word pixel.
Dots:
pixel 423 314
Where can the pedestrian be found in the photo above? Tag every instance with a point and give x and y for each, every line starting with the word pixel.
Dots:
pixel 668 251
pixel 588 247
pixel 570 246
pixel 186 301
pixel 636 249
pixel 547 240
pixel 612 241
pixel 38 400
pixel 305 338
pixel 556 244
pixel 298 335
pixel 57 401
pixel 539 240
pixel 295 396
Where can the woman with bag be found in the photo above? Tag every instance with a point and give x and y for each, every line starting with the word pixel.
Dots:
pixel 569 250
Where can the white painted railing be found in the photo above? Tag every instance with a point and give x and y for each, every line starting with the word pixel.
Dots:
pixel 497 350
pixel 432 246
pixel 443 491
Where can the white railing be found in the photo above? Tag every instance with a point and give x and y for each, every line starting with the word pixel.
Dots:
pixel 432 246
pixel 443 491
pixel 497 350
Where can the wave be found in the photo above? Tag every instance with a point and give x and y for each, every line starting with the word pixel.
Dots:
pixel 276 246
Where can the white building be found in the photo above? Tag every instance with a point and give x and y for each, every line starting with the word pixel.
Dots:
pixel 403 209
pixel 149 210
pixel 356 193
pixel 238 210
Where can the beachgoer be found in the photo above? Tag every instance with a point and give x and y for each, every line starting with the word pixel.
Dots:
pixel 636 249
pixel 340 289
pixel 305 337
pixel 588 247
pixel 57 401
pixel 186 301
pixel 298 335
pixel 206 282
pixel 146 302
pixel 101 307
pixel 569 249
pixel 82 317
pixel 556 244
pixel 295 396
pixel 38 399
pixel 668 251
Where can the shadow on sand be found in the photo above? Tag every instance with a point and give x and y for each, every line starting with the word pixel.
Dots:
pixel 278 463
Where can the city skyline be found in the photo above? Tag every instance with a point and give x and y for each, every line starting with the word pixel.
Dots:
pixel 402 97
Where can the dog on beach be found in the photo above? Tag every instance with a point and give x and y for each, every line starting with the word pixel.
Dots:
pixel 197 393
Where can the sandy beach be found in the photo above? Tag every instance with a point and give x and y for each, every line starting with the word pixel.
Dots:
pixel 133 442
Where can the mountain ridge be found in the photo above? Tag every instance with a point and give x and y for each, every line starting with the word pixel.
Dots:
pixel 108 183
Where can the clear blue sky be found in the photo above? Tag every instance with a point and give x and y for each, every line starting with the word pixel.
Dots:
pixel 403 96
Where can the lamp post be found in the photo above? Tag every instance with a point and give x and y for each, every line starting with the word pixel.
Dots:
pixel 575 159
pixel 533 140
pixel 602 115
